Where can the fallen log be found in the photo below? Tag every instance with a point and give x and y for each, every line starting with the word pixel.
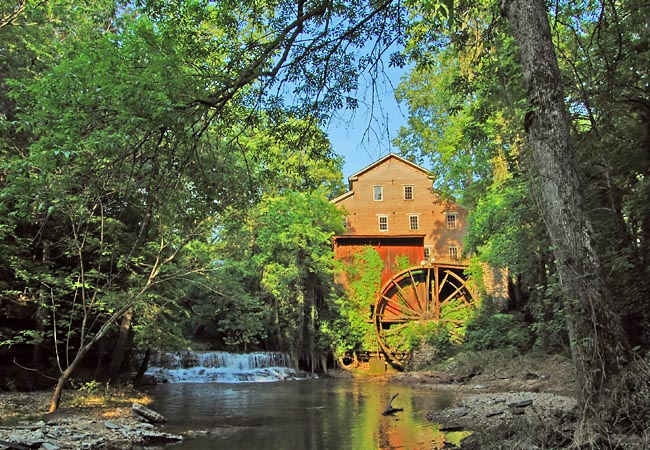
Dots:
pixel 389 410
pixel 149 415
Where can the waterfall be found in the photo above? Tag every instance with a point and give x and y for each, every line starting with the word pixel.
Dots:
pixel 221 367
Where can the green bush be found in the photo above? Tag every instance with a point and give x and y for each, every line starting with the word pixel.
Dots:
pixel 428 343
pixel 491 331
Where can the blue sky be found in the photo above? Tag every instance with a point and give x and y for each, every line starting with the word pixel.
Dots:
pixel 363 136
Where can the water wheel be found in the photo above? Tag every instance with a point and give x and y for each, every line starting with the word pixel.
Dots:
pixel 417 296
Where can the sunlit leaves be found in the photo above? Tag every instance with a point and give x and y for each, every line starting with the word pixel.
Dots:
pixel 293 240
pixel 462 97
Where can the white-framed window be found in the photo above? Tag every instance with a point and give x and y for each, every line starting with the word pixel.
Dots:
pixel 428 252
pixel 453 252
pixel 377 193
pixel 408 192
pixel 383 223
pixel 345 223
pixel 451 221
pixel 414 222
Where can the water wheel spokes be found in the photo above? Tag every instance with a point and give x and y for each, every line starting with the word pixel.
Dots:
pixel 420 294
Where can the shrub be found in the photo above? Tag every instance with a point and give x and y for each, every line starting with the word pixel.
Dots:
pixel 429 343
pixel 489 331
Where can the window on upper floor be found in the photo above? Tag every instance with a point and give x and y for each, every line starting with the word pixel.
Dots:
pixel 378 193
pixel 383 223
pixel 453 252
pixel 451 221
pixel 345 223
pixel 408 192
pixel 414 222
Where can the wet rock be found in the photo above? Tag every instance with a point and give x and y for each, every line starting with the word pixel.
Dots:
pixel 494 408
pixel 81 433
pixel 49 446
pixel 459 412
pixel 451 428
pixel 156 436
pixel 110 425
pixel 12 445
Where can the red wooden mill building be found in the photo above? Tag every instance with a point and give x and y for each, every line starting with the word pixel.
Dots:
pixel 392 207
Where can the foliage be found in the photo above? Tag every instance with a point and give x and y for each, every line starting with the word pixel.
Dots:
pixel 549 320
pixel 489 331
pixel 223 314
pixel 127 150
pixel 363 275
pixel 462 97
pixel 294 254
pixel 130 134
pixel 402 262
pixel 434 335
pixel 466 103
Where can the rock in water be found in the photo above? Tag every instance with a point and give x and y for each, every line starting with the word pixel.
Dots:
pixel 148 414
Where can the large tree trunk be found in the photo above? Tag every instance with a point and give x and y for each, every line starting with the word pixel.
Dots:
pixel 597 340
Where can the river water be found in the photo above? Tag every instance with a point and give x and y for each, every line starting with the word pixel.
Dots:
pixel 312 414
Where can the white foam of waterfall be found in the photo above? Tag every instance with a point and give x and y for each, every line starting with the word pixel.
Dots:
pixel 221 367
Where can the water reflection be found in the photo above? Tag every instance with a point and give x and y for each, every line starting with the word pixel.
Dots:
pixel 306 415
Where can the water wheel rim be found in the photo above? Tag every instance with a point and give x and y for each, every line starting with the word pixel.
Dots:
pixel 418 294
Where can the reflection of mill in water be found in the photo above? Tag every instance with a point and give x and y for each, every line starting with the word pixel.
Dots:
pixel 394 435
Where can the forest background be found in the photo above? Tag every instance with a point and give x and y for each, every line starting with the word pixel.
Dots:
pixel 165 175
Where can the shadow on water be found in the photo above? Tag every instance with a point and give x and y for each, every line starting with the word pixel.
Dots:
pixel 307 415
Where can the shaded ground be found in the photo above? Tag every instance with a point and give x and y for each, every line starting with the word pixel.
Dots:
pixel 16 407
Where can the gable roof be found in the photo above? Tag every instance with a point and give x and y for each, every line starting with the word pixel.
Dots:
pixel 342 197
pixel 354 177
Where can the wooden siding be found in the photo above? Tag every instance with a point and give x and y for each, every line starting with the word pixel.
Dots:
pixel 393 173
pixel 389 249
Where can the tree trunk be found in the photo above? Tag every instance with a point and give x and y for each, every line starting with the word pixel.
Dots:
pixel 81 354
pixel 597 340
pixel 119 352
pixel 137 381
pixel 65 376
pixel 42 314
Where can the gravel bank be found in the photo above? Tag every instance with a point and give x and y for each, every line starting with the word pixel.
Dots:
pixel 489 409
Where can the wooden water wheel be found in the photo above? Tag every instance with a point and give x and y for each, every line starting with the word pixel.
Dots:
pixel 419 295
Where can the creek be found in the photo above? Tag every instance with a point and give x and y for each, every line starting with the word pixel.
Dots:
pixel 294 412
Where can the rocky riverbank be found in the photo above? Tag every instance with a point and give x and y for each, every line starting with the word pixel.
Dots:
pixel 507 400
pixel 104 422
